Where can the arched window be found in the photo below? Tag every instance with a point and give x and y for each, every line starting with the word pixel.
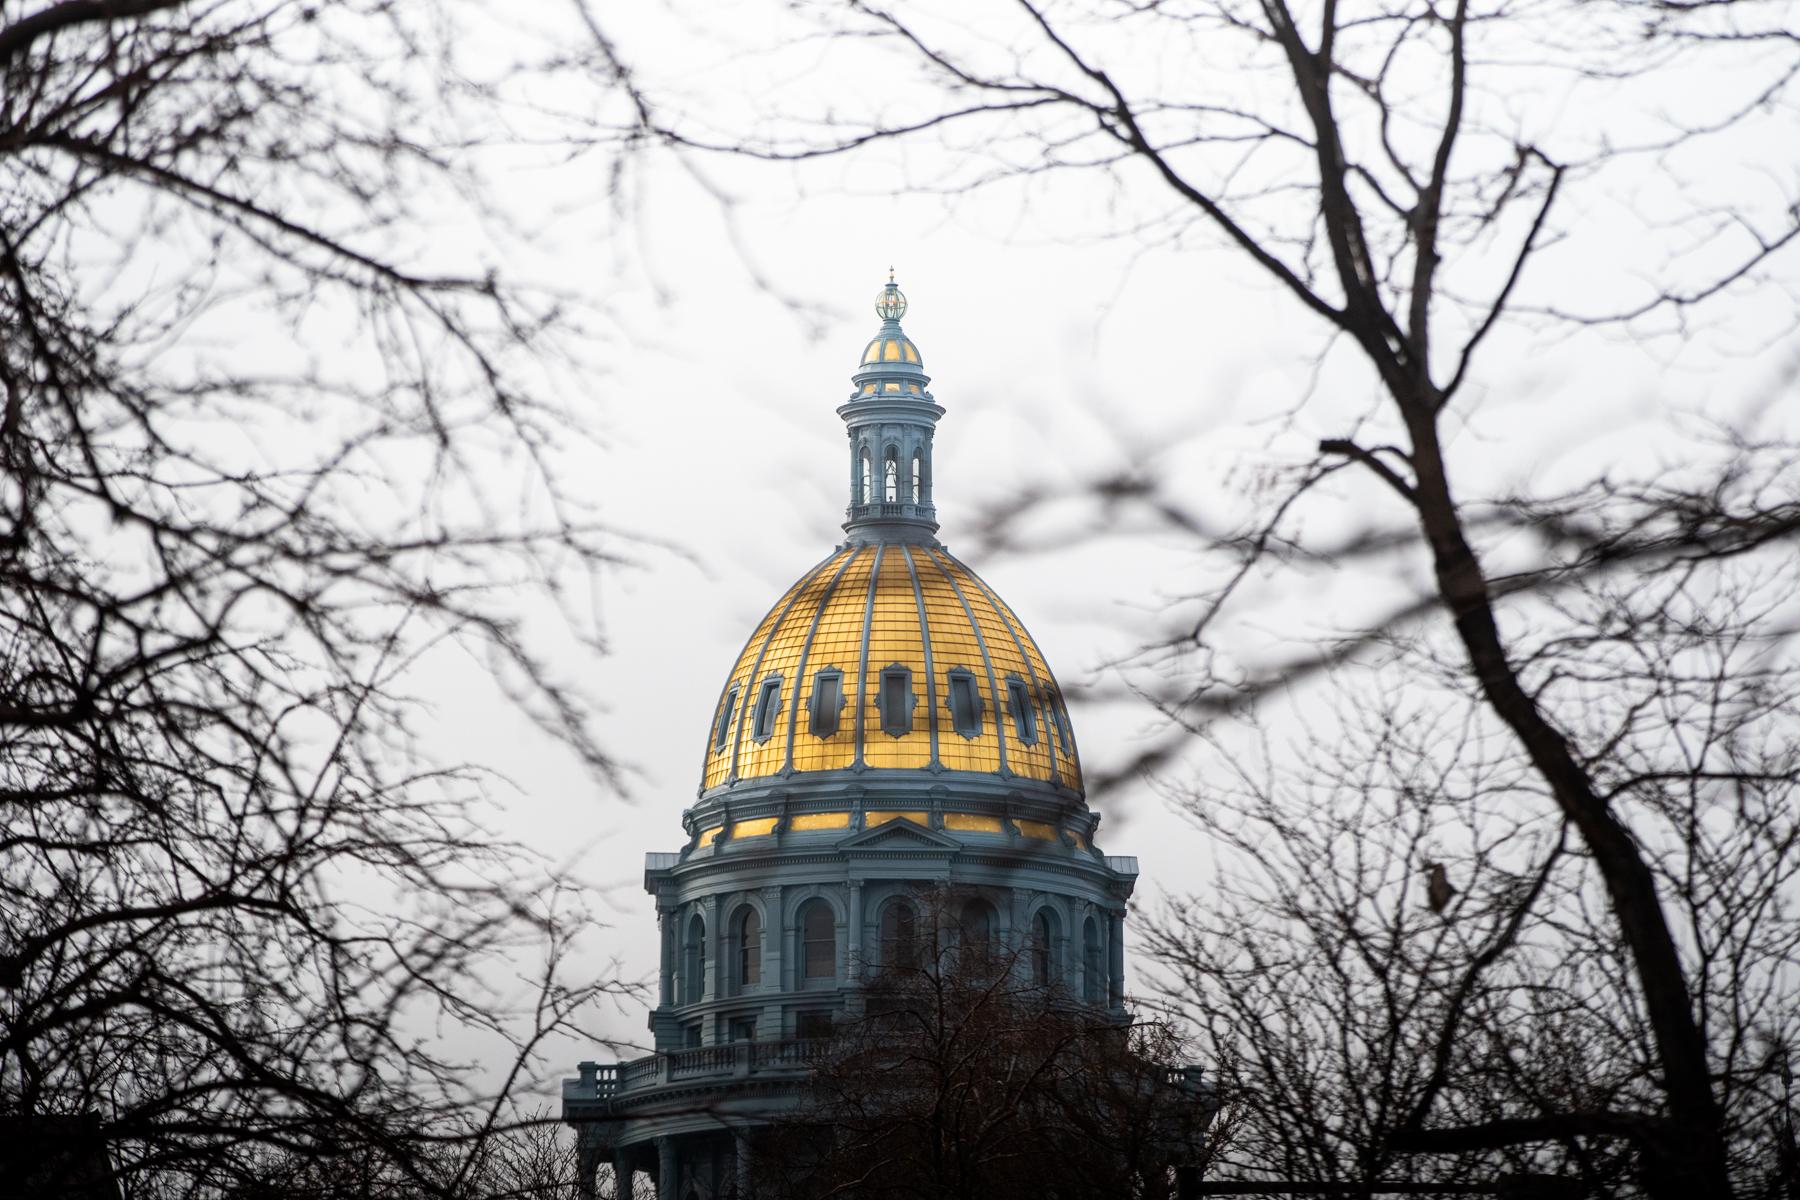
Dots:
pixel 818 941
pixel 918 489
pixel 890 476
pixel 868 479
pixel 1093 984
pixel 693 961
pixel 747 943
pixel 1043 948
pixel 977 930
pixel 899 936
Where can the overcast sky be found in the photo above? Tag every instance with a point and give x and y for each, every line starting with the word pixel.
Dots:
pixel 1059 347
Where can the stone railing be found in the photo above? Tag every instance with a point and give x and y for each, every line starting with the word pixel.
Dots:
pixel 794 1053
pixel 915 510
pixel 736 1060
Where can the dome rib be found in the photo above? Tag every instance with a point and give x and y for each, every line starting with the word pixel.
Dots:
pixel 931 719
pixel 1040 695
pixel 862 670
pixel 1063 731
pixel 750 681
pixel 812 631
pixel 987 660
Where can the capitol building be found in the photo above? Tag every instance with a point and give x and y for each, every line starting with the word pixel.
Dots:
pixel 889 735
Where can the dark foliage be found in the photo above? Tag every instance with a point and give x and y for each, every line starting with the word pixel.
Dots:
pixel 264 404
pixel 963 1078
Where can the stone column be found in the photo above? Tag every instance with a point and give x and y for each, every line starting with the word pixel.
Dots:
pixel 791 980
pixel 665 919
pixel 588 1156
pixel 715 955
pixel 667 1170
pixel 624 1177
pixel 1018 943
pixel 773 942
pixel 1115 982
pixel 853 932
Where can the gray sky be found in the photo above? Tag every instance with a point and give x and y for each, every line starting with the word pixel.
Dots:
pixel 1059 347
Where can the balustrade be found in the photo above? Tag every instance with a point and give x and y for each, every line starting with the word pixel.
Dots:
pixel 700 1062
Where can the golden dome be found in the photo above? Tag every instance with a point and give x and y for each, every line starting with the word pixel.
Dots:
pixel 890 656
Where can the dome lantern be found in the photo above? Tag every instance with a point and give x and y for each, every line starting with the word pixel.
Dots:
pixel 890 417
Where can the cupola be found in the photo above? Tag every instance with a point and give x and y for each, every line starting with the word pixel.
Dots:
pixel 890 418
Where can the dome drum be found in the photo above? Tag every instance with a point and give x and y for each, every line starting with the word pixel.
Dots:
pixel 1010 822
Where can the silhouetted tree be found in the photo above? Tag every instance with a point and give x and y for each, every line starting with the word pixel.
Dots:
pixel 265 391
pixel 529 1159
pixel 1361 1030
pixel 964 1076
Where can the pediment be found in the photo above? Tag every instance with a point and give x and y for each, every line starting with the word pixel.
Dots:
pixel 899 834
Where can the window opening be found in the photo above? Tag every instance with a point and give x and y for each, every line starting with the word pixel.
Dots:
pixel 918 493
pixel 691 1035
pixel 1024 716
pixel 896 701
pixel 965 704
pixel 743 1029
pixel 827 701
pixel 725 712
pixel 818 942
pixel 977 929
pixel 890 476
pixel 1043 948
pixel 899 936
pixel 812 1025
pixel 749 948
pixel 694 968
pixel 768 704
pixel 1091 985
pixel 868 480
